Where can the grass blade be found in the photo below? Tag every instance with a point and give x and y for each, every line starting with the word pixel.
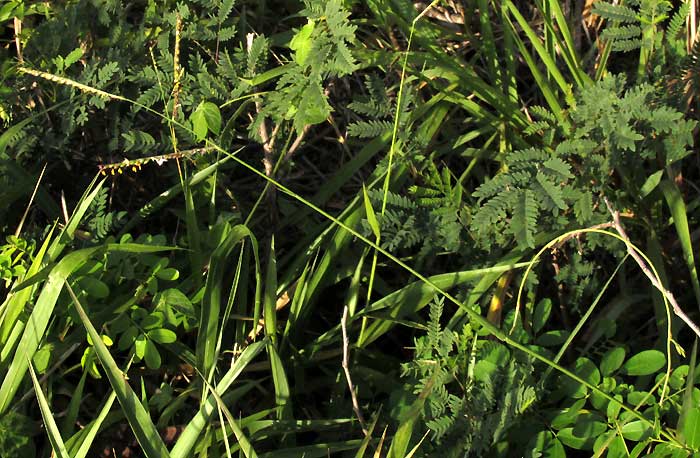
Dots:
pixel 137 416
pixel 94 427
pixel 59 448
pixel 211 302
pixel 184 445
pixel 675 202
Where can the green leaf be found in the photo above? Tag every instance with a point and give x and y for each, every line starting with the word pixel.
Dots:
pixel 636 431
pixel 552 190
pixel 72 57
pixel 691 428
pixel 127 338
pixel 545 445
pixel 302 44
pixel 650 183
pixel 151 355
pixel 541 315
pixel 140 346
pixel 588 371
pixel 162 336
pixel 645 363
pixel 212 115
pixel 206 118
pixel 42 358
pixel 583 435
pixel 137 416
pixel 190 435
pixel 612 360
pixel 369 211
pixel 552 338
pixel 94 287
pixel 675 202
pixel 169 274
pixel 524 219
pixel 55 439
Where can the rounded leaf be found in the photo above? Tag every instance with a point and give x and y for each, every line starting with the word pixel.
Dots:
pixel 140 346
pixel 302 44
pixel 583 435
pixel 152 321
pixel 168 274
pixel 127 338
pixel 162 335
pixel 612 360
pixel 644 363
pixel 42 358
pixel 541 315
pixel 552 338
pixel 636 430
pixel 151 355
pixel 94 287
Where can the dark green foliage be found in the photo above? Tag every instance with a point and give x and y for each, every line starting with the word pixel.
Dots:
pixel 100 221
pixel 614 129
pixel 307 94
pixel 16 431
pixel 632 21
pixel 320 52
pixel 430 218
pixel 478 390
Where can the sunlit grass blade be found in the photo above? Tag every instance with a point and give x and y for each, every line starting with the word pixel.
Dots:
pixel 68 424
pixel 75 219
pixel 542 53
pixel 362 448
pixel 193 236
pixel 542 83
pixel 689 419
pixel 270 296
pixel 187 440
pixel 139 419
pixel 675 202
pixel 38 321
pixel 417 295
pixel 557 24
pixel 94 427
pixel 402 437
pixel 57 444
pixel 279 377
pixel 207 336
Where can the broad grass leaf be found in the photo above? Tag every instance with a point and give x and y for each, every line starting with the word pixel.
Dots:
pixel 644 363
pixel 371 216
pixel 59 448
pixel 691 428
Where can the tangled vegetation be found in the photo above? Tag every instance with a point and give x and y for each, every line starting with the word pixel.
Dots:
pixel 313 228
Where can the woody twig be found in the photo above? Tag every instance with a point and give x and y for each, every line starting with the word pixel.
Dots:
pixel 677 310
